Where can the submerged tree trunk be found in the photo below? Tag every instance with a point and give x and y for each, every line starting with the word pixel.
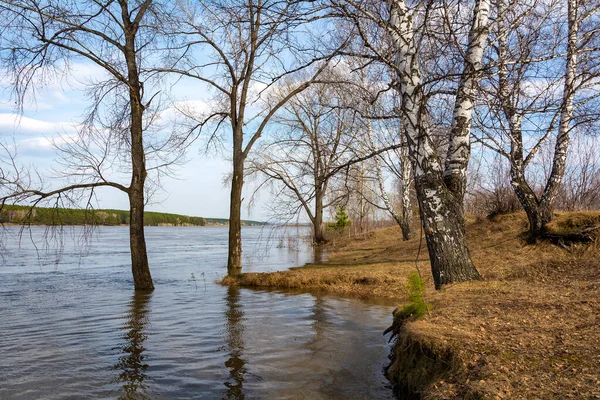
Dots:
pixel 142 279
pixel 234 256
pixel 319 235
pixel 234 259
pixel 139 258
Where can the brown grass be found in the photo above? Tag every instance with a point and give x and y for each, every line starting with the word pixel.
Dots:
pixel 372 266
pixel 531 330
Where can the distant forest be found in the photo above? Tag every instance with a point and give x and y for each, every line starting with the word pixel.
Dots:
pixel 68 216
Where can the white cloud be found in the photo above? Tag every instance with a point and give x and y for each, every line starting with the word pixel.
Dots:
pixel 48 92
pixel 38 146
pixel 16 124
pixel 185 109
pixel 42 146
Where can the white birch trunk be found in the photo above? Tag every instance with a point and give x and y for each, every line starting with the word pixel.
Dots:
pixel 406 229
pixel 406 174
pixel 459 146
pixel 538 209
pixel 441 212
pixel 562 141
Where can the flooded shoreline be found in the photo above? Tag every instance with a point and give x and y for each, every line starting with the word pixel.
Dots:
pixel 77 329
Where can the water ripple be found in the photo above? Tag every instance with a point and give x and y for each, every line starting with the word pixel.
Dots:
pixel 78 330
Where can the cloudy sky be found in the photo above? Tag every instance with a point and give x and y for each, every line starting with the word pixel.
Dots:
pixel 197 187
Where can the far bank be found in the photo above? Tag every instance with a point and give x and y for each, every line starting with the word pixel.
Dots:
pixel 23 215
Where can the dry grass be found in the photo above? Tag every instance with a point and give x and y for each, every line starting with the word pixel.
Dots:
pixel 531 330
pixel 372 266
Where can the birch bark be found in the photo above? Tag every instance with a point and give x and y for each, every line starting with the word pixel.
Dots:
pixel 539 210
pixel 405 224
pixel 441 207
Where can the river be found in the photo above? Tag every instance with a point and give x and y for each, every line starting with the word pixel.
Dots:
pixel 72 326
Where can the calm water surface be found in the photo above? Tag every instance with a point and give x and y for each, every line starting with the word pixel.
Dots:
pixel 77 330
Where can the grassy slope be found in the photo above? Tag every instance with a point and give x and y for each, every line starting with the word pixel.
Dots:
pixel 530 330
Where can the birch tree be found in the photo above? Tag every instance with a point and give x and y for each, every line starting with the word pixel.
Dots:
pixel 439 185
pixel 398 162
pixel 547 72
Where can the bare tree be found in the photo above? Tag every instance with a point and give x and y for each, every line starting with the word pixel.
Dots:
pixel 398 36
pixel 119 139
pixel 315 135
pixel 241 50
pixel 540 89
pixel 398 163
pixel 580 189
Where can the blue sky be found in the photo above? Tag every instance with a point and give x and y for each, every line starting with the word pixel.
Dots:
pixel 197 187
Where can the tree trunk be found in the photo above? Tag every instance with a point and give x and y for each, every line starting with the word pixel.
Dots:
pixel 539 210
pixel 441 212
pixel 407 212
pixel 142 279
pixel 319 236
pixel 406 228
pixel 139 258
pixel 444 228
pixel 528 200
pixel 405 225
pixel 459 140
pixel 561 148
pixel 234 259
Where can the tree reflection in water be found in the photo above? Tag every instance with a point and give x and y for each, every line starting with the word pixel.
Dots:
pixel 131 365
pixel 235 343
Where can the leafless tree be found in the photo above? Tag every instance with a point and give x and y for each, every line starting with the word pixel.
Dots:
pixel 580 188
pixel 243 50
pixel 314 136
pixel 402 37
pixel 398 163
pixel 120 140
pixel 540 88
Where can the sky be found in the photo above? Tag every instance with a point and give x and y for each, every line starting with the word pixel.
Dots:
pixel 197 187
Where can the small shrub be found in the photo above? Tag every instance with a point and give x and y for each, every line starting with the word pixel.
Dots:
pixel 415 294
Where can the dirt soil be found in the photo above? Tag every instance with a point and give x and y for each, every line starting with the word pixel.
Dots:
pixel 530 330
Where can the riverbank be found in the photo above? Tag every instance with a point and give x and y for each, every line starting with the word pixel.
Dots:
pixel 529 330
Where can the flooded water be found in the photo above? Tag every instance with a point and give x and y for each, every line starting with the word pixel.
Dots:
pixel 77 329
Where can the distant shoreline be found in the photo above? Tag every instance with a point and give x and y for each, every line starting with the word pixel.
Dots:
pixel 42 216
pixel 126 225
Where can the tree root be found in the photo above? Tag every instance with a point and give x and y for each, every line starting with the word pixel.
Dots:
pixel 563 239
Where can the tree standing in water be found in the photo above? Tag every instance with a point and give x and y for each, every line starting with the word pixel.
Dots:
pixel 113 142
pixel 242 50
